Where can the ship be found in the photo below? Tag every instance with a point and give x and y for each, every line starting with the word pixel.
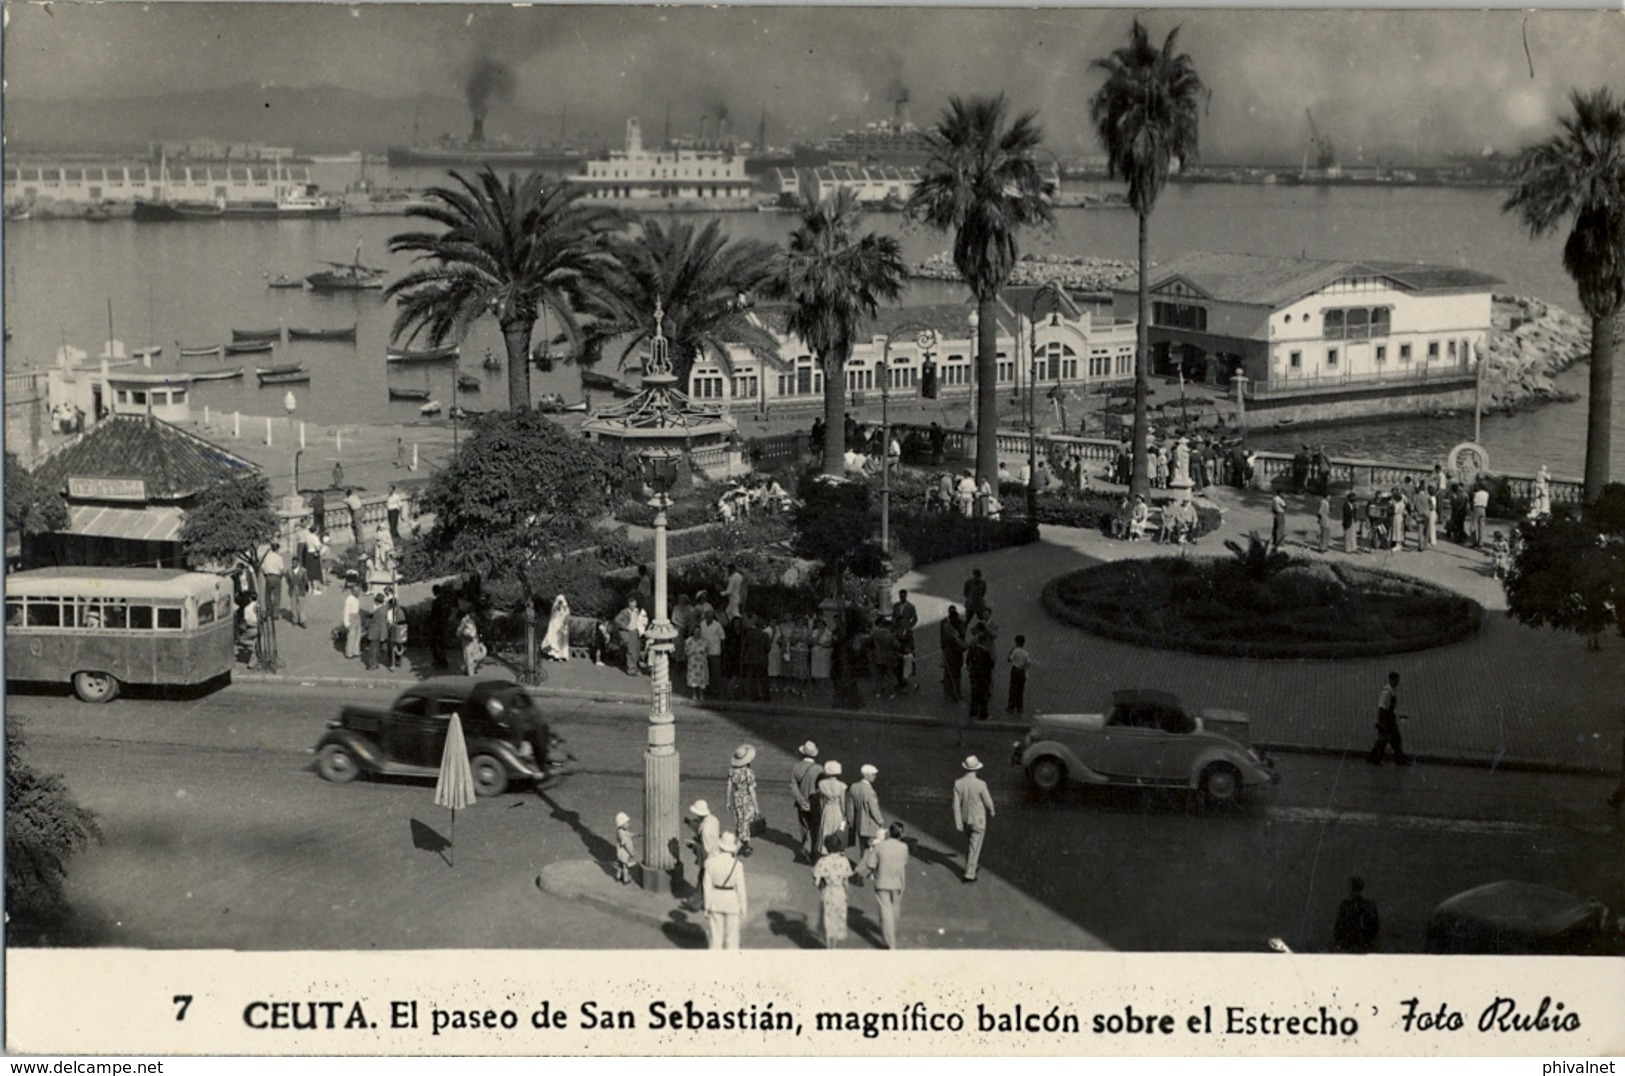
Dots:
pixel 449 152
pixel 896 142
pixel 252 192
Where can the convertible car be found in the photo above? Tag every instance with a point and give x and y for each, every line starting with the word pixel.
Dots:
pixel 1147 738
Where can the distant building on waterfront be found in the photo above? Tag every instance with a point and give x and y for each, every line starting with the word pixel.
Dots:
pixel 880 187
pixel 640 176
pixel 1367 336
pixel 123 181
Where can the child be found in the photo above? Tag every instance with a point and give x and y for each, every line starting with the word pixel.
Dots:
pixel 905 662
pixel 624 855
pixel 1019 660
pixel 1500 554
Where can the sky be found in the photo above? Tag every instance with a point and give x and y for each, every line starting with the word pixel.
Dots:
pixel 1379 83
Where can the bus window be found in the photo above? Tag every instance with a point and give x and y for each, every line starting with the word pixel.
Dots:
pixel 90 615
pixel 14 614
pixel 169 618
pixel 44 613
pixel 116 617
pixel 205 613
pixel 141 617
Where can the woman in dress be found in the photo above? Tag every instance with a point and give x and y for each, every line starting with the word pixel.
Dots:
pixel 742 794
pixel 801 646
pixel 556 643
pixel 352 623
pixel 699 668
pixel 775 654
pixel 823 650
pixel 831 872
pixel 832 797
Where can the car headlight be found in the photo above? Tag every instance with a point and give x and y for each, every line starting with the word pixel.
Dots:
pixel 494 707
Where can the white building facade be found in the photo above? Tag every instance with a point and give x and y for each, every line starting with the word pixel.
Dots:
pixel 97 182
pixel 639 175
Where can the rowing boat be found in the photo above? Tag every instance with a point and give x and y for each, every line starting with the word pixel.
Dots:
pixel 218 375
pixel 199 352
pixel 347 333
pixel 248 347
pixel 250 335
pixel 435 354
pixel 283 377
pixel 408 394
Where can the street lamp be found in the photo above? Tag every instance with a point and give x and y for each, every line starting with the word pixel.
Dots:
pixel 925 339
pixel 661 764
pixel 1054 291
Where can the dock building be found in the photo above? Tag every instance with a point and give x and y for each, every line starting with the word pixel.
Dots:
pixel 639 176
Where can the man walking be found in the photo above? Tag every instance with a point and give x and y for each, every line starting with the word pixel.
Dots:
pixel 904 616
pixel 979 663
pixel 863 808
pixel 1277 522
pixel 706 842
pixel 1019 660
pixel 393 504
pixel 274 568
pixel 951 637
pixel 887 863
pixel 804 776
pixel 1357 924
pixel 352 501
pixel 973 807
pixel 1351 519
pixel 1481 510
pixel 725 901
pixel 975 593
pixel 1323 520
pixel 1388 725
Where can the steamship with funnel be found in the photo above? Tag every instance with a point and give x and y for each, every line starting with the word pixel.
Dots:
pixel 559 158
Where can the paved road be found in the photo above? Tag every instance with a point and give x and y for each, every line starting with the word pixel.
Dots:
pixel 219 834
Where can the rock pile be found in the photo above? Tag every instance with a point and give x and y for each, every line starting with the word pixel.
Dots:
pixel 1530 341
pixel 1078 273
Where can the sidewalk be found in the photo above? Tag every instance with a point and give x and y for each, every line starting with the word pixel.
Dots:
pixel 1510 697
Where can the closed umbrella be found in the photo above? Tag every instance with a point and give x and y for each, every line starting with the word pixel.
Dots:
pixel 455 788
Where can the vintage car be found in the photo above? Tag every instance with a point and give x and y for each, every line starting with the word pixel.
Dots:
pixel 507 739
pixel 1517 918
pixel 1149 738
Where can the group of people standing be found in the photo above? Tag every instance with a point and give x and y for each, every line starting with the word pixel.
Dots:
pixel 969 644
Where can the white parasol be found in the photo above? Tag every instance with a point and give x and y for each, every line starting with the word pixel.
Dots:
pixel 455 788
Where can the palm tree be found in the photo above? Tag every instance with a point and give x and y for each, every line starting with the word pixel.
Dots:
pixel 984 184
pixel 833 279
pixel 1579 173
pixel 508 250
pixel 701 280
pixel 1146 116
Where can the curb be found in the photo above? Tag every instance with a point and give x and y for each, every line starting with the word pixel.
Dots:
pixel 688 928
pixel 1462 761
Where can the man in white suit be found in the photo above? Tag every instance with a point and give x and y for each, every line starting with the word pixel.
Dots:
pixel 863 808
pixel 726 902
pixel 973 807
pixel 887 863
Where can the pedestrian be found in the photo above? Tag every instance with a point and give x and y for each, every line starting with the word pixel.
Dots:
pixel 883 653
pixel 352 623
pixel 756 650
pixel 645 587
pixel 1388 725
pixel 713 635
pixel 1322 470
pixel 1457 531
pixel 377 632
pixel 248 629
pixel 393 504
pixel 1428 505
pixel 804 777
pixel 831 873
pixel 383 549
pixel 973 808
pixel 626 627
pixel 706 841
pixel 699 665
pixel 318 514
pixel 400 452
pixel 951 635
pixel 625 854
pixel 468 633
pixel 724 898
pixel 735 593
pixel 1357 924
pixel 886 863
pixel 975 592
pixel 298 588
pixel 979 664
pixel 273 567
pixel 1396 534
pixel 1300 469
pixel 742 794
pixel 1019 660
pixel 904 617
pixel 309 553
pixel 1323 521
pixel 1351 522
pixel 906 664
pixel 831 805
pixel 352 501
pixel 1277 521
pixel 397 631
pixel 863 807
pixel 1481 510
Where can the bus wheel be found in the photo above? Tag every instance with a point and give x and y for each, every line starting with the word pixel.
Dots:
pixel 95 686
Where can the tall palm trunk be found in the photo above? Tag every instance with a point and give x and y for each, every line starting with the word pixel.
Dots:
pixel 1140 480
pixel 834 419
pixel 1600 414
pixel 516 337
pixel 987 390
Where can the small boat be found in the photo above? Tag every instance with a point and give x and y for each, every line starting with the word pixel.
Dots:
pixel 430 408
pixel 462 413
pixel 433 354
pixel 218 375
pixel 283 280
pixel 281 368
pixel 491 362
pixel 283 377
pixel 199 352
pixel 469 383
pixel 347 333
pixel 240 336
pixel 552 403
pixel 347 276
pixel 408 394
pixel 249 347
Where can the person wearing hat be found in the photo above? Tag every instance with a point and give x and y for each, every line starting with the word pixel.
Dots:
pixel 707 839
pixel 722 883
pixel 742 794
pixel 625 854
pixel 804 777
pixel 1351 519
pixel 973 807
pixel 863 807
pixel 831 805
pixel 886 863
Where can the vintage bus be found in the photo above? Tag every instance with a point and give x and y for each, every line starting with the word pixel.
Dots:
pixel 101 628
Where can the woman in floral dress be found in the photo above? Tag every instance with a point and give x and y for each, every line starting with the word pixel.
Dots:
pixel 801 655
pixel 699 669
pixel 823 648
pixel 831 872
pixel 742 794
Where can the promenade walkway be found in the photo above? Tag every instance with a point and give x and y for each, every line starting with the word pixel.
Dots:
pixel 1510 697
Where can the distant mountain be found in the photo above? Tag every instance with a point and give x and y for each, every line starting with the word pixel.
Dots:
pixel 320 119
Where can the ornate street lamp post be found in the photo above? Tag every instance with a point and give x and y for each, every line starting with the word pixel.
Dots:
pixel 661 764
pixel 1054 291
pixel 925 339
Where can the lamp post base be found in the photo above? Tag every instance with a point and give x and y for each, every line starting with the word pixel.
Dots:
pixel 653 879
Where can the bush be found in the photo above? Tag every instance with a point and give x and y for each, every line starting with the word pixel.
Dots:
pixel 928 537
pixel 1302 611
pixel 681 515
pixel 44 829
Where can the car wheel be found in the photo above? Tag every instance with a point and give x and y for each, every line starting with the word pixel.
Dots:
pixel 95 686
pixel 490 775
pixel 1221 784
pixel 336 764
pixel 1047 774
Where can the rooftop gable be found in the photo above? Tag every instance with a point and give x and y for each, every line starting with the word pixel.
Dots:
pixel 173 463
pixel 1270 281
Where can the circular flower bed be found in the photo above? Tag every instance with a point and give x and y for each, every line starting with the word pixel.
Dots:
pixel 1218 606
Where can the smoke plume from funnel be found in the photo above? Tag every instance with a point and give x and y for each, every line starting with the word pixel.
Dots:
pixel 489 82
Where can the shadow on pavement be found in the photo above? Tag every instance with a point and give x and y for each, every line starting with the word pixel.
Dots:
pixel 794 926
pixel 426 838
pixel 598 849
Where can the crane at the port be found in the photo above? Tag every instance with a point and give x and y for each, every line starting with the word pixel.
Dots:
pixel 1325 154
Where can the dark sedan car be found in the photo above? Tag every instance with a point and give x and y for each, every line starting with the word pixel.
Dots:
pixel 507 738
pixel 1518 918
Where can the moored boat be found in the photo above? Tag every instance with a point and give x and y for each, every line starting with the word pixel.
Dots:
pixel 252 335
pixel 433 354
pixel 198 352
pixel 430 408
pixel 249 347
pixel 218 375
pixel 468 383
pixel 279 368
pixel 408 394
pixel 283 280
pixel 347 276
pixel 277 376
pixel 347 333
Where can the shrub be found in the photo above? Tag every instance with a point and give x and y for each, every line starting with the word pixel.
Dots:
pixel 44 829
pixel 680 516
pixel 932 536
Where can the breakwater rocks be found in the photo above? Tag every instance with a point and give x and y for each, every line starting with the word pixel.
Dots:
pixel 1529 342
pixel 1072 273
